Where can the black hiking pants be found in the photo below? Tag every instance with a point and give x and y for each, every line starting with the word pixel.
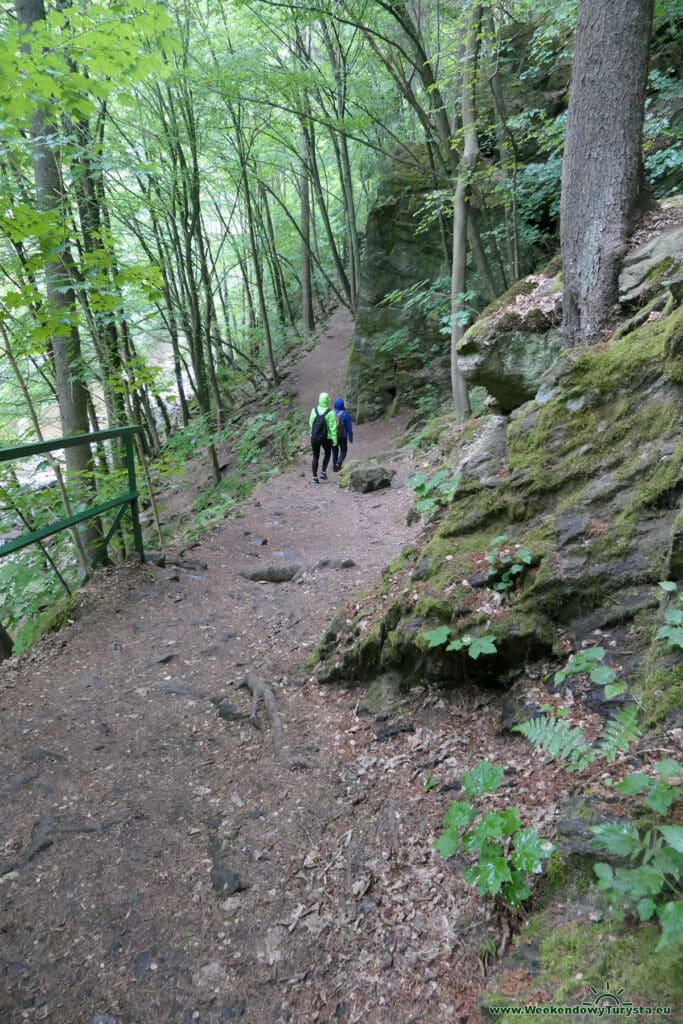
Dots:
pixel 326 446
pixel 339 452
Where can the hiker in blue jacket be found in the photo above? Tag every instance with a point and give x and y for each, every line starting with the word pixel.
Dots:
pixel 344 434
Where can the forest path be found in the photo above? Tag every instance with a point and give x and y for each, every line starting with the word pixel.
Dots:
pixel 159 863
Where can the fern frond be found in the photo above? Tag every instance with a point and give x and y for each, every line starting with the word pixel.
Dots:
pixel 619 733
pixel 559 739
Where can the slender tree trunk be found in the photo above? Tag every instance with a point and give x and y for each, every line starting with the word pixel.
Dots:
pixel 462 189
pixel 307 317
pixel 602 175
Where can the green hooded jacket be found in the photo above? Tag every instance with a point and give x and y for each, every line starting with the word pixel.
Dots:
pixel 330 419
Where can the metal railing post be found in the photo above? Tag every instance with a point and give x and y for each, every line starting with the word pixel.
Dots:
pixel 134 503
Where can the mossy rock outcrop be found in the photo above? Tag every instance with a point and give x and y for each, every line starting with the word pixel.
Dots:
pixel 394 345
pixel 588 479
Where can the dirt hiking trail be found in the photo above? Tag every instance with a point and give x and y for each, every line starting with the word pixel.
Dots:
pixel 161 862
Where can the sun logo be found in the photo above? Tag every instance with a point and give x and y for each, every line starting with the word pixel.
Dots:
pixel 607 997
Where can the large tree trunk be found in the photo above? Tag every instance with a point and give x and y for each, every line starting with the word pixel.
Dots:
pixel 602 176
pixel 65 342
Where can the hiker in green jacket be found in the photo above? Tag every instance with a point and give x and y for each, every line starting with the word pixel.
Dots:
pixel 323 434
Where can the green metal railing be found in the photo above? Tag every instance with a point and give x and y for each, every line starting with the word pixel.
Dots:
pixel 122 502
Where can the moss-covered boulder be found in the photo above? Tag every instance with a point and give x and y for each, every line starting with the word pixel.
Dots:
pixel 584 489
pixel 511 347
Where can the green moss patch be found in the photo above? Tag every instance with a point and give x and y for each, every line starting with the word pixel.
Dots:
pixel 581 961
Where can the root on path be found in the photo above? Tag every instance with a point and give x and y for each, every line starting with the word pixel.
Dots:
pixel 261 691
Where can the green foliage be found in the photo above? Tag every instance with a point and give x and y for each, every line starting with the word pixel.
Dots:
pixel 272 432
pixel 651 882
pixel 506 562
pixel 29 581
pixel 433 492
pixel 504 854
pixel 662 135
pixel 672 632
pixel 475 645
pixel 590 661
pixel 567 743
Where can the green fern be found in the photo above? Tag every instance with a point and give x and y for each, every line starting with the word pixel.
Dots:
pixel 557 738
pixel 619 733
pixel 568 743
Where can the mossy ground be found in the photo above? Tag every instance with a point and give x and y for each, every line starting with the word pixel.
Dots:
pixel 581 960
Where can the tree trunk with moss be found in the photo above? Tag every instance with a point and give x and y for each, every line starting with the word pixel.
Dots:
pixel 603 183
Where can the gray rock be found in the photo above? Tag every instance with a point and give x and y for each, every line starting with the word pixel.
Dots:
pixel 175 689
pixel 334 563
pixel 103 1018
pixel 224 880
pixel 157 558
pixel 510 364
pixel 666 248
pixel 369 476
pixel 229 713
pixel 273 573
pixel 574 836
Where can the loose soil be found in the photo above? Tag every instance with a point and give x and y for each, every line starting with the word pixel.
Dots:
pixel 161 862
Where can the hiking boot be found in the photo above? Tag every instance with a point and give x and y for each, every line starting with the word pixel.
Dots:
pixel 323 476
pixel 335 469
pixel 315 480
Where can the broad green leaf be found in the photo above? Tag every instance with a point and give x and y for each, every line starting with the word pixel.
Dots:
pixel 662 797
pixel 669 768
pixel 673 634
pixel 605 875
pixel 495 825
pixel 616 838
pixel 516 890
pixel 484 778
pixel 425 505
pixel 590 654
pixel 493 873
pixel 669 586
pixel 638 882
pixel 613 690
pixel 634 783
pixel 481 645
pixel 674 616
pixel 447 844
pixel 603 674
pixel 459 815
pixel 529 851
pixel 673 835
pixel 646 908
pixel 671 921
pixel 438 636
pixel 667 860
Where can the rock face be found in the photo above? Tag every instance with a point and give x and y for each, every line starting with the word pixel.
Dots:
pixel 514 347
pixel 586 480
pixel 509 351
pixel 392 345
pixel 645 267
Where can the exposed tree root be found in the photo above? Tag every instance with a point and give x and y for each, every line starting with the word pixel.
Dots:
pixel 260 691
